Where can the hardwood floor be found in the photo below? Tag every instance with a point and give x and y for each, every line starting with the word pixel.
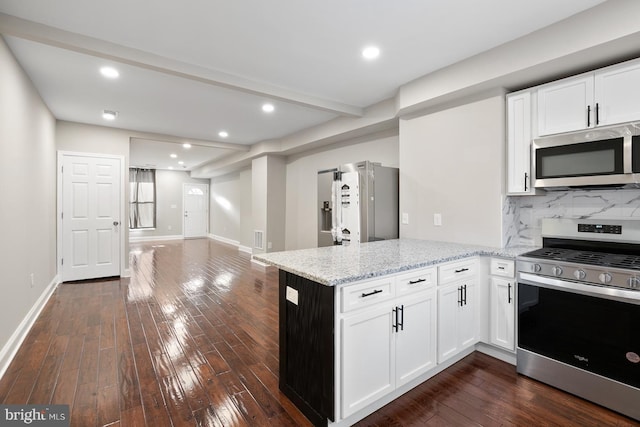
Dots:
pixel 191 339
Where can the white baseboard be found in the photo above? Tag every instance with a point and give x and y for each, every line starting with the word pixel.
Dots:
pixel 235 243
pixel 126 272
pixel 10 349
pixel 245 249
pixel 259 264
pixel 224 240
pixel 141 239
pixel 497 353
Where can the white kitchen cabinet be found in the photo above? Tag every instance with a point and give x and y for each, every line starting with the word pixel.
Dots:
pixel 519 136
pixel 502 303
pixel 606 96
pixel 502 313
pixel 617 93
pixel 457 318
pixel 386 345
pixel 416 340
pixel 368 357
pixel 565 105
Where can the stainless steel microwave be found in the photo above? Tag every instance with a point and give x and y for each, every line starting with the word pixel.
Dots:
pixel 602 157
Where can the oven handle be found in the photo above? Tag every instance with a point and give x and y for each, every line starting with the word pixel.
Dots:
pixel 615 294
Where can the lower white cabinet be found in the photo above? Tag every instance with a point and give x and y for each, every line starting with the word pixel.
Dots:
pixel 502 313
pixel 367 357
pixel 385 346
pixel 416 339
pixel 502 302
pixel 457 317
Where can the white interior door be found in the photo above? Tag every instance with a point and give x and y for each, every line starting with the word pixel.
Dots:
pixel 196 210
pixel 90 217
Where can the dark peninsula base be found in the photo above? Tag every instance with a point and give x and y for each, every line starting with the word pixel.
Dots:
pixel 306 311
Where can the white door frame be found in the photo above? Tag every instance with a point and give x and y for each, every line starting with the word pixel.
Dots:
pixel 124 222
pixel 184 193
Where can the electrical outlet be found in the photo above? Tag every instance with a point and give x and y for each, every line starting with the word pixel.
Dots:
pixel 405 218
pixel 169 227
pixel 269 245
pixel 33 280
pixel 437 219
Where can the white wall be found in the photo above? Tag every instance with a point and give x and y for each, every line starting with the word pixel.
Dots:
pixel 452 163
pixel 169 209
pixel 246 216
pixel 27 194
pixel 224 217
pixel 302 175
pixel 268 201
pixel 276 203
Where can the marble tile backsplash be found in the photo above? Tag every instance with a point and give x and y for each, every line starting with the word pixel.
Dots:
pixel 522 215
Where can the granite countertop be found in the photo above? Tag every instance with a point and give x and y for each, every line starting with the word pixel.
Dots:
pixel 335 265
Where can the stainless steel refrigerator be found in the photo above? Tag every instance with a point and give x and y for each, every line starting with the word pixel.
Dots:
pixel 358 202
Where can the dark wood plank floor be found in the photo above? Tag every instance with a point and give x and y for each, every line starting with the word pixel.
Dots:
pixel 191 340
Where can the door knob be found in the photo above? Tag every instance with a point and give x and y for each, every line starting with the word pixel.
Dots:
pixel 116 223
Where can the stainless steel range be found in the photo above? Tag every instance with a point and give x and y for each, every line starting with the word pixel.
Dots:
pixel 579 311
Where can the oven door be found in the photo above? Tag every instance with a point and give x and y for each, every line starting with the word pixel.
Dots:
pixel 589 327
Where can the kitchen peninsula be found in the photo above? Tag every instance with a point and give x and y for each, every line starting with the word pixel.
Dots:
pixel 362 324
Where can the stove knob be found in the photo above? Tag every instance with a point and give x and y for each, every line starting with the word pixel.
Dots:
pixel 537 268
pixel 557 271
pixel 605 278
pixel 579 274
pixel 634 282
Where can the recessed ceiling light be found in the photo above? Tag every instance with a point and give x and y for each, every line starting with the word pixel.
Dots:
pixel 109 72
pixel 109 115
pixel 171 167
pixel 186 145
pixel 173 155
pixel 370 52
pixel 223 134
pixel 181 162
pixel 268 108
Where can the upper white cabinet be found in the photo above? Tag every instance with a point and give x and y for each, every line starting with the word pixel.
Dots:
pixel 617 93
pixel 565 105
pixel 607 96
pixel 519 136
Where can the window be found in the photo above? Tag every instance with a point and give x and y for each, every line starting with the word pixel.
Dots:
pixel 142 198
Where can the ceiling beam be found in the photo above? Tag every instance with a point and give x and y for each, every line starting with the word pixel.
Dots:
pixel 18 27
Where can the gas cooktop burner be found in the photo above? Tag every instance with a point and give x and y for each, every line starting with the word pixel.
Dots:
pixel 631 262
pixel 589 252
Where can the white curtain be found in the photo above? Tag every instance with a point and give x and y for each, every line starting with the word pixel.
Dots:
pixel 142 198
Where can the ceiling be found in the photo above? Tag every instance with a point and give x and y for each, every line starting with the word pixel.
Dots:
pixel 189 70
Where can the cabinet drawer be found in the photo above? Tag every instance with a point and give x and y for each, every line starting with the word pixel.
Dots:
pixel 502 267
pixel 415 281
pixel 367 293
pixel 450 273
